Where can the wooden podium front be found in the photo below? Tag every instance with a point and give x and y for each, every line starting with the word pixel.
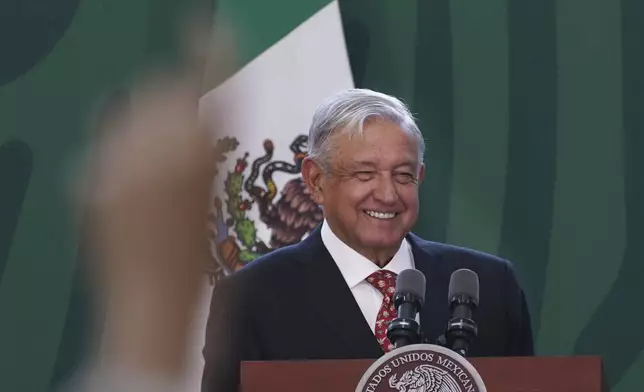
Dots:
pixel 525 374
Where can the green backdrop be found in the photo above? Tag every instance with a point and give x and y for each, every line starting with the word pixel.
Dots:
pixel 531 111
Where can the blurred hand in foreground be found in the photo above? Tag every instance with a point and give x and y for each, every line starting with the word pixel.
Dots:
pixel 146 194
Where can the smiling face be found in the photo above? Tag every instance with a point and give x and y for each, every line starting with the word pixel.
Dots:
pixel 370 195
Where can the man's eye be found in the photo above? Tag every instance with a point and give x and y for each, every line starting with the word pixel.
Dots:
pixel 405 178
pixel 364 175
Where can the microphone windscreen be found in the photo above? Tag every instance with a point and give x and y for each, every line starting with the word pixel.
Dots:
pixel 464 282
pixel 411 281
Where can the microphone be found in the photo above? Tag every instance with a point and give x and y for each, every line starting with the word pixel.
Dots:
pixel 463 300
pixel 409 298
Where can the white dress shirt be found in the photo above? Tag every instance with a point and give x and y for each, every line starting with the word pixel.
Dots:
pixel 355 269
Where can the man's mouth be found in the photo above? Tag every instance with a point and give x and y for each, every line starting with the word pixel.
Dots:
pixel 380 215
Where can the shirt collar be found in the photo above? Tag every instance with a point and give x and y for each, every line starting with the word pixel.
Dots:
pixel 354 267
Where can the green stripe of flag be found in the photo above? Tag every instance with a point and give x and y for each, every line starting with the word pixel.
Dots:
pixel 259 24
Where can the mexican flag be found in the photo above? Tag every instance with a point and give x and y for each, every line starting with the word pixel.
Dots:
pixel 261 203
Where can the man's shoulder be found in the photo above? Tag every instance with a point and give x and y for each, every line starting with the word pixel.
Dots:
pixel 463 256
pixel 274 265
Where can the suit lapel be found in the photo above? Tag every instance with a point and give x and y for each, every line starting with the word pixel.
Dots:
pixel 435 313
pixel 329 296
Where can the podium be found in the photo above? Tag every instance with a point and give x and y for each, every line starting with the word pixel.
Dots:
pixel 520 374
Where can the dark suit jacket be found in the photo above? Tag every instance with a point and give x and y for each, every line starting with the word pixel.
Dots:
pixel 293 303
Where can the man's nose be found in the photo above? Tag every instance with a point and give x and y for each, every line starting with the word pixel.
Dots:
pixel 386 190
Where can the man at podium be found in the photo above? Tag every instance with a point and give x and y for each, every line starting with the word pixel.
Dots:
pixel 330 296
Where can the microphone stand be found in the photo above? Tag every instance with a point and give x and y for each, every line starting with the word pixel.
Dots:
pixel 461 330
pixel 404 330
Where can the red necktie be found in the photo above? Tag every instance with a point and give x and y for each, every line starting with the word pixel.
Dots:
pixel 385 282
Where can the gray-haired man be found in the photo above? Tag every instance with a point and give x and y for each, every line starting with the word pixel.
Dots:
pixel 330 296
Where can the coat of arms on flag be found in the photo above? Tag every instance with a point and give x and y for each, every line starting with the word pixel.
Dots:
pixel 288 213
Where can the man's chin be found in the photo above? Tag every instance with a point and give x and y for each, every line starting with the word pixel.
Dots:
pixel 382 242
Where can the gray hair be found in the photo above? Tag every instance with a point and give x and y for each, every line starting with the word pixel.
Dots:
pixel 348 110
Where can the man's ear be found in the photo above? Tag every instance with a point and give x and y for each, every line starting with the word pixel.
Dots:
pixel 421 173
pixel 312 175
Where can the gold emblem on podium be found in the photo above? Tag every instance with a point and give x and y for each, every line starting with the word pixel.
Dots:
pixel 421 368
